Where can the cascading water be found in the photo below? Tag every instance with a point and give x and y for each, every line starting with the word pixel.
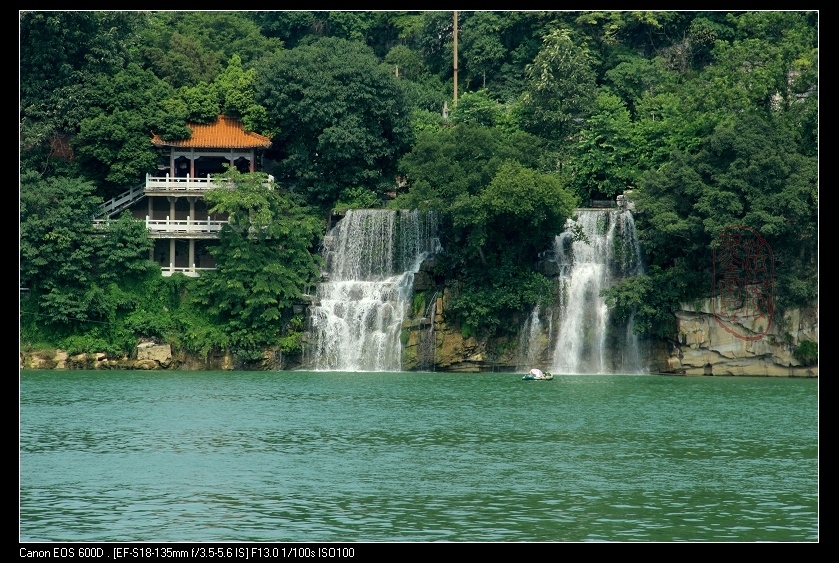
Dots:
pixel 371 257
pixel 597 250
pixel 533 340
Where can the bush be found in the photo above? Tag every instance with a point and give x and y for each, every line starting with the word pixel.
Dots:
pixel 356 198
pixel 807 352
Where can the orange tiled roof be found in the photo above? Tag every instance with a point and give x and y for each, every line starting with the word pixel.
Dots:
pixel 225 133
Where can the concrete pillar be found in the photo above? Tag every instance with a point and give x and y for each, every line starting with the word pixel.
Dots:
pixel 172 255
pixel 192 254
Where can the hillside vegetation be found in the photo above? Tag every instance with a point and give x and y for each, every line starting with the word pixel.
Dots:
pixel 710 119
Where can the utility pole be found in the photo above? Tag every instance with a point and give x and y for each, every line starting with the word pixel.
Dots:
pixel 455 57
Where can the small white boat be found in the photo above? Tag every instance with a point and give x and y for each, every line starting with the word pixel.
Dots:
pixel 537 375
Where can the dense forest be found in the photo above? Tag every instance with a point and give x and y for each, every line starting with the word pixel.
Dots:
pixel 709 120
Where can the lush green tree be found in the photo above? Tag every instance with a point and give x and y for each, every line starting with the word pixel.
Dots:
pixel 480 48
pixel 113 145
pixel 460 160
pixel 81 278
pixel 264 261
pixel 423 91
pixel 743 174
pixel 520 207
pixel 493 47
pixel 477 107
pixel 231 93
pixel 185 48
pixel 342 118
pixel 560 89
pixel 61 55
pixel 289 26
pixel 665 123
pixel 635 78
pixel 436 42
pixel 407 63
pixel 234 87
pixel 61 51
pixel 604 161
pixel 200 103
pixel 57 247
pixel 644 32
pixel 499 233
pixel 356 198
pixel 180 60
pixel 499 213
pixel 380 30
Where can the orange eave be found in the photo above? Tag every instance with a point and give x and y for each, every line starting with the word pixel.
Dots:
pixel 224 133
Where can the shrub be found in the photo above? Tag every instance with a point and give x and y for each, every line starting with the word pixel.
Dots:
pixel 807 352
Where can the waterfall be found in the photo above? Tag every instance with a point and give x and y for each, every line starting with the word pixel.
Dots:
pixel 371 256
pixel 531 344
pixel 597 250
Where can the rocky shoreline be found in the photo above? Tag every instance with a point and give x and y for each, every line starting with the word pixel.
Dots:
pixel 701 346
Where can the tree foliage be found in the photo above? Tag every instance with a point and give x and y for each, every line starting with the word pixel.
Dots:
pixel 560 88
pixel 604 161
pixel 499 210
pixel 81 279
pixel 264 260
pixel 185 48
pixel 113 145
pixel 342 118
pixel 711 117
pixel 60 51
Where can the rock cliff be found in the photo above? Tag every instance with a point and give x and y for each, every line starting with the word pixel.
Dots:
pixel 702 346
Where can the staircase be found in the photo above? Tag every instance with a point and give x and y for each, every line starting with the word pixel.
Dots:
pixel 120 202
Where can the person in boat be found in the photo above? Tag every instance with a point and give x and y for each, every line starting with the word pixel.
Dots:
pixel 537 373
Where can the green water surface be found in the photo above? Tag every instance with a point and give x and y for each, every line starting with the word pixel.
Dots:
pixel 421 457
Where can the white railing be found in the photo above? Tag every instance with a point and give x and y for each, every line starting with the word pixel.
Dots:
pixel 173 184
pixel 192 271
pixel 183 226
pixel 176 226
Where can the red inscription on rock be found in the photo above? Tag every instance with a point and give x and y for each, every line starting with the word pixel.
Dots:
pixel 744 288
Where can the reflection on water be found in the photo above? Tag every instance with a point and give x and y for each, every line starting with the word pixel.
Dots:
pixel 260 456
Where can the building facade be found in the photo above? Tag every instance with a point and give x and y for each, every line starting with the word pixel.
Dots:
pixel 172 202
